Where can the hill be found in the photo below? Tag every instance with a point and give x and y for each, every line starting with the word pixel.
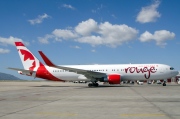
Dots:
pixel 4 76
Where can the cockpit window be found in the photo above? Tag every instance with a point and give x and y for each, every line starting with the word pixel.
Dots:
pixel 171 68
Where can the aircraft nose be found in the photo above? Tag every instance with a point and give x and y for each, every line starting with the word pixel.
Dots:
pixel 175 73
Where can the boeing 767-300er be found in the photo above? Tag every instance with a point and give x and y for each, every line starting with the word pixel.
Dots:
pixel 111 73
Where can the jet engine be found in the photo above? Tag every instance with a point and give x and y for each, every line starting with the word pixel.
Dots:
pixel 112 79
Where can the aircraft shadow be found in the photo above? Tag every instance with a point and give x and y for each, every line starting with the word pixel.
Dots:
pixel 50 86
pixel 100 86
pixel 104 86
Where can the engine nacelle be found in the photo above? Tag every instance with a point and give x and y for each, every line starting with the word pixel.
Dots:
pixel 112 79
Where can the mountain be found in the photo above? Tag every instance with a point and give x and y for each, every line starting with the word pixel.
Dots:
pixel 4 76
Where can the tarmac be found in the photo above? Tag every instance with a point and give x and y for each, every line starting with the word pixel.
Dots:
pixel 55 100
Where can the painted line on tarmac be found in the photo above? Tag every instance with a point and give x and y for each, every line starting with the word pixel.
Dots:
pixel 142 115
pixel 1 99
pixel 59 114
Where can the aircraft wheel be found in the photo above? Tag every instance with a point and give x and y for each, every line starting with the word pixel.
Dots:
pixel 96 84
pixel 90 84
pixel 93 84
pixel 164 84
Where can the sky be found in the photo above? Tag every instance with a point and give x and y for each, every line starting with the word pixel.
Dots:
pixel 91 31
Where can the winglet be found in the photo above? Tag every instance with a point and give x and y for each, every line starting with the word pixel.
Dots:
pixel 46 59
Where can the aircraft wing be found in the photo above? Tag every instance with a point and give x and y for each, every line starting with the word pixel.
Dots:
pixel 87 73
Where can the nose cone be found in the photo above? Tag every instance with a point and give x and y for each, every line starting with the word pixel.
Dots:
pixel 175 73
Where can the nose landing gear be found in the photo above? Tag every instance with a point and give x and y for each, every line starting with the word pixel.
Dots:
pixel 164 83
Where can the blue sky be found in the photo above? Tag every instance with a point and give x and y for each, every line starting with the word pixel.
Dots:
pixel 91 31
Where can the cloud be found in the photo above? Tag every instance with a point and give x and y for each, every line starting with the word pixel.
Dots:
pixel 44 40
pixel 116 34
pixel 93 40
pixel 75 47
pixel 58 35
pixel 39 19
pixel 92 33
pixel 11 40
pixel 98 9
pixel 160 37
pixel 114 16
pixel 93 11
pixel 93 50
pixel 4 51
pixel 86 27
pixel 110 35
pixel 68 6
pixel 149 13
pixel 64 34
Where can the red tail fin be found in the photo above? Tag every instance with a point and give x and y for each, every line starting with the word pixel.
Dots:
pixel 29 61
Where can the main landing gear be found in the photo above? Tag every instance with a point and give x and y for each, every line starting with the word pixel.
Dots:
pixel 93 84
pixel 164 83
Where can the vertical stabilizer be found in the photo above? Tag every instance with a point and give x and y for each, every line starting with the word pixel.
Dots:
pixel 29 61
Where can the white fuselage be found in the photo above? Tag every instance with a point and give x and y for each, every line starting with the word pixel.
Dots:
pixel 105 73
pixel 126 71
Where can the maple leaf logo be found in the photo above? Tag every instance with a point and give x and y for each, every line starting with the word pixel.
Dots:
pixel 28 59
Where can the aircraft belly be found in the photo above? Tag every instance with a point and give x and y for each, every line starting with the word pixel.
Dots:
pixel 133 77
pixel 69 76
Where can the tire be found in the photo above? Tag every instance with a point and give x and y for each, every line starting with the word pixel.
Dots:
pixel 96 84
pixel 164 84
pixel 90 85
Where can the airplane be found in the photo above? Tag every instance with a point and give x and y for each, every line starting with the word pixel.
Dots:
pixel 109 73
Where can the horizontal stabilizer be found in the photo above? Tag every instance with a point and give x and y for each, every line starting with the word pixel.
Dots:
pixel 24 72
pixel 17 69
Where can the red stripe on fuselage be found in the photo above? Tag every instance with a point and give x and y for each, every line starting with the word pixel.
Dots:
pixel 42 72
